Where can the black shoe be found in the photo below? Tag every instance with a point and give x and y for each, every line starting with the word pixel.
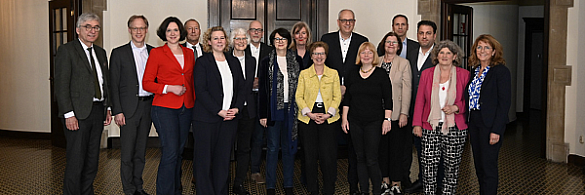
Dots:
pixel 193 180
pixel 271 191
pixel 417 186
pixel 141 192
pixel 240 190
pixel 288 191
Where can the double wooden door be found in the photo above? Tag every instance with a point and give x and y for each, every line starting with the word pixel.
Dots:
pixel 273 14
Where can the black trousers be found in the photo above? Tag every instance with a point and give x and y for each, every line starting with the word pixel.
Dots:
pixel 393 148
pixel 213 145
pixel 485 156
pixel 366 140
pixel 133 138
pixel 246 125
pixel 83 147
pixel 320 149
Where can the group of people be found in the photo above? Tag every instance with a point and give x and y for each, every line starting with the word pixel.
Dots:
pixel 234 90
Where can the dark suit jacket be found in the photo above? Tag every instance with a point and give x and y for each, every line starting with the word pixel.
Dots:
pixel 264 51
pixel 249 97
pixel 413 57
pixel 209 89
pixel 335 59
pixel 74 87
pixel 495 97
pixel 412 47
pixel 124 80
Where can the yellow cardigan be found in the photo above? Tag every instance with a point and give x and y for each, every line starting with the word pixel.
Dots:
pixel 308 87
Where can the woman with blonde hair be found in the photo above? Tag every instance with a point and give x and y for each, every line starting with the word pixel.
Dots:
pixel 301 34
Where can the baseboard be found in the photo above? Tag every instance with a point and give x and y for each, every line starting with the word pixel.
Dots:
pixel 576 160
pixel 21 134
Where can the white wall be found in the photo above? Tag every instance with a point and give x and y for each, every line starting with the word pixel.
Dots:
pixel 374 17
pixel 500 22
pixel 115 24
pixel 524 12
pixel 24 66
pixel 575 94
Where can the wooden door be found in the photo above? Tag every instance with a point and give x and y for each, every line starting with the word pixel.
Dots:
pixel 62 17
pixel 273 14
pixel 457 23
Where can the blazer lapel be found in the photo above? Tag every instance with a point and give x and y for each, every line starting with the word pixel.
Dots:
pixel 82 55
pixel 170 55
pixel 130 54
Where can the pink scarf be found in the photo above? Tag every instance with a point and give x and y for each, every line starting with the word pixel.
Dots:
pixel 435 115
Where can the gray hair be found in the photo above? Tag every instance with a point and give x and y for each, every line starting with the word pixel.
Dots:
pixel 339 14
pixel 238 31
pixel 454 48
pixel 87 17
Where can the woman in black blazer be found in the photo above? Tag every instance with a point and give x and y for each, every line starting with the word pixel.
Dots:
pixel 488 96
pixel 219 88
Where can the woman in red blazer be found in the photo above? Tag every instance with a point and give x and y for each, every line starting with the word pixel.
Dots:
pixel 439 116
pixel 169 75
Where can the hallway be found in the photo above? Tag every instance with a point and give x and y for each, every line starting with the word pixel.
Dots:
pixel 34 166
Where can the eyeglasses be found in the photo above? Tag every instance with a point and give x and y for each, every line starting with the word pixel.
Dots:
pixel 347 20
pixel 256 30
pixel 89 27
pixel 279 39
pixel 141 29
pixel 240 38
pixel 319 54
pixel 392 42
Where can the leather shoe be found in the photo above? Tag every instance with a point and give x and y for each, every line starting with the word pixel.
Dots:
pixel 193 180
pixel 240 190
pixel 141 192
pixel 417 186
pixel 288 191
pixel 257 177
pixel 271 191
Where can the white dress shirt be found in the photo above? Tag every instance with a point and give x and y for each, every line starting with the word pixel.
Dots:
pixel 227 83
pixel 344 43
pixel 140 58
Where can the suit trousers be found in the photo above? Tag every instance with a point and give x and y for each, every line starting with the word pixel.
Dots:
pixel 366 140
pixel 172 126
pixel 83 147
pixel 213 145
pixel 133 138
pixel 320 148
pixel 485 156
pixel 246 125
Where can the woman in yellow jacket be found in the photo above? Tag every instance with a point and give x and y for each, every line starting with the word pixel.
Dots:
pixel 318 97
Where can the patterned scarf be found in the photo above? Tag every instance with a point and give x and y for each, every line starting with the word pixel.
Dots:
pixel 435 115
pixel 293 70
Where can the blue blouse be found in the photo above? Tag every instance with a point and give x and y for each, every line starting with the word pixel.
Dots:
pixel 475 88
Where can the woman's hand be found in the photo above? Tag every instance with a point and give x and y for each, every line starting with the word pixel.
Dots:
pixel 345 125
pixel 263 122
pixel 417 131
pixel 177 89
pixel 224 114
pixel 450 109
pixel 494 138
pixel 386 127
pixel 321 118
pixel 402 120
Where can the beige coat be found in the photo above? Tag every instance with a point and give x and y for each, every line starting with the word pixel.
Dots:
pixel 401 79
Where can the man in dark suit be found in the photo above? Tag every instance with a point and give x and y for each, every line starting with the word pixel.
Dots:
pixel 258 50
pixel 343 49
pixel 131 104
pixel 193 34
pixel 409 46
pixel 421 60
pixel 81 90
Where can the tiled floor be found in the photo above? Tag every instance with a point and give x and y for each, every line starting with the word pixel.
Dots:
pixel 33 166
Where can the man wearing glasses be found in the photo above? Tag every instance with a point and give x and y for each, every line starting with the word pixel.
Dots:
pixel 258 50
pixel 343 49
pixel 131 103
pixel 81 90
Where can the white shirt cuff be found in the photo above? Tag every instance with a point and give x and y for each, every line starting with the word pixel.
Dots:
pixel 305 111
pixel 165 89
pixel 69 114
pixel 331 111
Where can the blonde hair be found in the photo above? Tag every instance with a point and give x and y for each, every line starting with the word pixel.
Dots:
pixel 368 46
pixel 296 28
pixel 207 39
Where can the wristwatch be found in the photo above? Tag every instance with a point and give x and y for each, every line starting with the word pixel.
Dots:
pixel 388 119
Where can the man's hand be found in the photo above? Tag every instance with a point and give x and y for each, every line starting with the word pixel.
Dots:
pixel 71 123
pixel 108 118
pixel 120 120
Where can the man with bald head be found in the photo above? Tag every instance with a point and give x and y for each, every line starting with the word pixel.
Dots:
pixel 343 49
pixel 258 50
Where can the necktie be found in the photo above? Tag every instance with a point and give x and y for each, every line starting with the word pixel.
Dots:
pixel 96 82
pixel 195 52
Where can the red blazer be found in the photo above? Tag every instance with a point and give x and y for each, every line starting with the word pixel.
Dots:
pixel 422 107
pixel 163 65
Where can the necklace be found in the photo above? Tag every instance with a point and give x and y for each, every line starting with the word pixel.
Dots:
pixel 366 70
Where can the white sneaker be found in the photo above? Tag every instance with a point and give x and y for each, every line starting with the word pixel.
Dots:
pixel 385 189
pixel 395 190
